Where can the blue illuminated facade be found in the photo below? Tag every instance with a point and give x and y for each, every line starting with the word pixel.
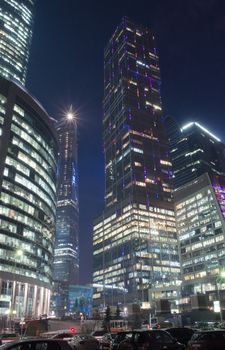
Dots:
pixel 80 299
pixel 66 257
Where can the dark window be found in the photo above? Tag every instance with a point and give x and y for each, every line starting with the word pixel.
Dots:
pixel 63 335
pixel 46 346
pixel 162 337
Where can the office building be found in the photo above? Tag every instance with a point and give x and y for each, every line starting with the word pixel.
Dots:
pixel 28 167
pixel 200 214
pixel 16 23
pixel 66 256
pixel 194 150
pixel 135 243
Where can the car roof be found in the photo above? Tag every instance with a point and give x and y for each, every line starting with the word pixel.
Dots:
pixel 7 345
pixel 142 331
pixel 58 332
pixel 99 332
pixel 209 330
pixel 40 339
pixel 179 329
pixel 83 335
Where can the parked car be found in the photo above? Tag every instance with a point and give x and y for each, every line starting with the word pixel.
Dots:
pixel 120 337
pixel 8 337
pixel 181 334
pixel 84 342
pixel 66 335
pixel 98 334
pixel 150 340
pixel 205 325
pixel 37 344
pixel 60 334
pixel 107 341
pixel 207 340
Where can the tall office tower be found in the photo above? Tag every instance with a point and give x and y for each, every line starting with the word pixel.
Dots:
pixel 66 258
pixel 28 164
pixel 16 22
pixel 200 218
pixel 194 151
pixel 135 255
pixel 198 159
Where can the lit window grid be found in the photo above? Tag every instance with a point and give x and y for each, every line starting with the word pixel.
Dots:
pixel 17 130
pixel 31 234
pixel 117 102
pixel 148 221
pixel 15 38
pixel 28 196
pixel 191 217
pixel 38 186
pixel 118 232
pixel 45 148
pixel 24 155
pixel 10 219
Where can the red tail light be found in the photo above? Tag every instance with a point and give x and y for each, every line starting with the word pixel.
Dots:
pixel 73 330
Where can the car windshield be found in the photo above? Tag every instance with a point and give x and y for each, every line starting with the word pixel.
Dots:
pixel 85 336
pixel 76 337
pixel 122 336
pixel 179 330
pixel 96 333
pixel 63 335
pixel 8 335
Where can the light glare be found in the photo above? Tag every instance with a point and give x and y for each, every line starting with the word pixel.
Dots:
pixel 70 116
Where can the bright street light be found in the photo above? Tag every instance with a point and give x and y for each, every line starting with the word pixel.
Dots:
pixel 125 311
pixel 19 252
pixel 70 116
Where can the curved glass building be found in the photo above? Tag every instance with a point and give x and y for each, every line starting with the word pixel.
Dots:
pixel 28 166
pixel 16 23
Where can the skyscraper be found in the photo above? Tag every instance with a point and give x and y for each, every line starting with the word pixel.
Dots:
pixel 198 160
pixel 135 238
pixel 200 219
pixel 66 261
pixel 194 151
pixel 16 22
pixel 28 168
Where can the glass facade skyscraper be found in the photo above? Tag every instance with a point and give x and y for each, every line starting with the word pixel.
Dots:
pixel 135 255
pixel 28 163
pixel 200 214
pixel 66 258
pixel 198 158
pixel 194 150
pixel 16 22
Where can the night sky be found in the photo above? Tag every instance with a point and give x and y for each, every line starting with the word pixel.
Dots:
pixel 66 67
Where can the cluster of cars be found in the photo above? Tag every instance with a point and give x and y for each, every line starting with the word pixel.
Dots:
pixel 171 339
pixel 62 340
pixel 182 338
